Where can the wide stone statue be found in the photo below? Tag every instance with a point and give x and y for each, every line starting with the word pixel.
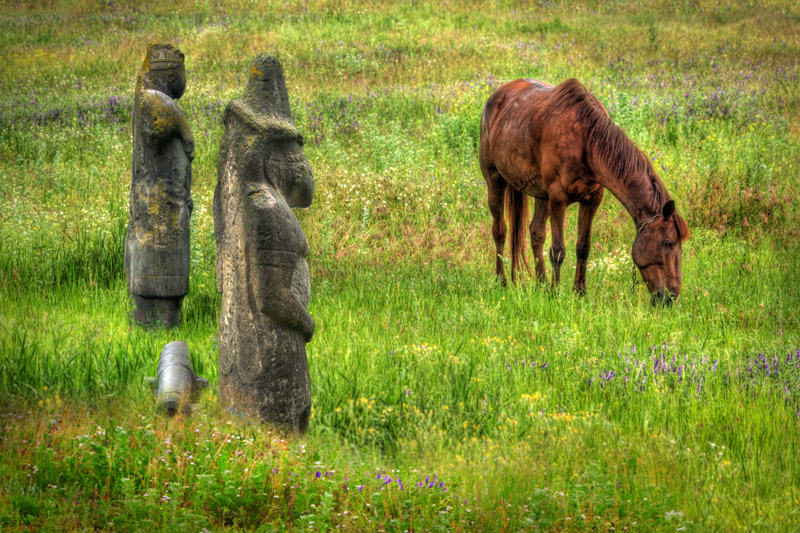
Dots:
pixel 262 271
pixel 157 241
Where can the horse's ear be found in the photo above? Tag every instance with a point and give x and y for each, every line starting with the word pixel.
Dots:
pixel 668 209
pixel 683 228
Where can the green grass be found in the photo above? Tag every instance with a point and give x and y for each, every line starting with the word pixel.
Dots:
pixel 534 408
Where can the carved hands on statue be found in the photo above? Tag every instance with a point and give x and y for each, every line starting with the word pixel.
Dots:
pixel 186 134
pixel 163 120
pixel 271 276
pixel 306 324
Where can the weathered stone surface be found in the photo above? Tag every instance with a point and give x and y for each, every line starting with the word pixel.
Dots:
pixel 262 271
pixel 157 241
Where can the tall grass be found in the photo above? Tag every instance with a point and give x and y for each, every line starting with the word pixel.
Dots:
pixel 441 401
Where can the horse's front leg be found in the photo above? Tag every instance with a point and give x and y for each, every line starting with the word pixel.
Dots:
pixel 586 212
pixel 558 205
pixel 541 211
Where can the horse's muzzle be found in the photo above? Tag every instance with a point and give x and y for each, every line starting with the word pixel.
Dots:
pixel 663 298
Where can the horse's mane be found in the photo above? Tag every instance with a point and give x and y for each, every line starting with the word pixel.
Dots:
pixel 606 141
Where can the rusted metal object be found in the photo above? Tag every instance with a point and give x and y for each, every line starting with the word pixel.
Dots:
pixel 177 386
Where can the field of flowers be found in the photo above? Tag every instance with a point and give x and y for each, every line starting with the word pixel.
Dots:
pixel 442 402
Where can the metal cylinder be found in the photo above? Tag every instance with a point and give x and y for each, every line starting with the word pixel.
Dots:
pixel 177 382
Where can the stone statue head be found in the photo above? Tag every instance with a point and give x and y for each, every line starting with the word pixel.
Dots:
pixel 163 70
pixel 265 109
pixel 266 89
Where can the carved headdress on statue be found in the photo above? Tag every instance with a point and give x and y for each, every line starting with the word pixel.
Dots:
pixel 160 57
pixel 265 104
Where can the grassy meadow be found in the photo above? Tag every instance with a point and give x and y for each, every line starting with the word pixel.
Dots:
pixel 442 402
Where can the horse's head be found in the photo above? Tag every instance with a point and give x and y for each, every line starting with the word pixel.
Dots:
pixel 657 253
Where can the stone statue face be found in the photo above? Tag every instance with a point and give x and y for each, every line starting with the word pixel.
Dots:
pixel 289 170
pixel 174 81
pixel 164 70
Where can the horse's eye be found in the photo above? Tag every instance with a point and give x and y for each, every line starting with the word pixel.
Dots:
pixel 666 244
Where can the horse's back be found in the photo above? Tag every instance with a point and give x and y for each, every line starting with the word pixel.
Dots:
pixel 510 97
pixel 510 128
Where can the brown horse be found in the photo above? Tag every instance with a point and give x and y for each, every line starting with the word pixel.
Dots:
pixel 559 145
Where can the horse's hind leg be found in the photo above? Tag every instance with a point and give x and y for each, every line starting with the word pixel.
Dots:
pixel 558 204
pixel 586 212
pixel 541 210
pixel 497 189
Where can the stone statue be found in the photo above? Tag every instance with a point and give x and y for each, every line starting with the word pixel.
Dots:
pixel 262 271
pixel 157 241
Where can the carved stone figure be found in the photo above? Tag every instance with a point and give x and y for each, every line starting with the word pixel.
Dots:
pixel 262 271
pixel 157 241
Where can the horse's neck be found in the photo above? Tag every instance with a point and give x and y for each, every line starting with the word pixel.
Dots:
pixel 636 195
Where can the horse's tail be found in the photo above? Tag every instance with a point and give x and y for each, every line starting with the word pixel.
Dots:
pixel 517 216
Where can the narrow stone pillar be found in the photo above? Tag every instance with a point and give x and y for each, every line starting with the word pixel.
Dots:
pixel 157 241
pixel 262 271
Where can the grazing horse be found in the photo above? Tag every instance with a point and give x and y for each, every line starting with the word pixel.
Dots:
pixel 559 145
